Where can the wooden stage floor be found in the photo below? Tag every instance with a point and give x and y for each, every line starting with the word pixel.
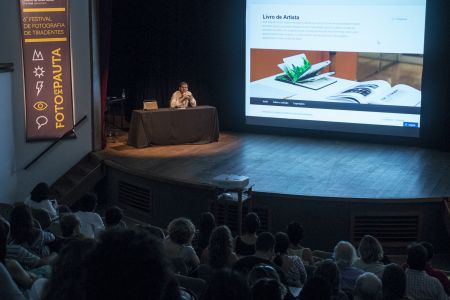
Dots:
pixel 296 166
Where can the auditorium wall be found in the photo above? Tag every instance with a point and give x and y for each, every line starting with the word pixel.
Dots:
pixel 17 182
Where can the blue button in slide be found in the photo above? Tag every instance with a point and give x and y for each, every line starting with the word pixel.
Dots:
pixel 411 124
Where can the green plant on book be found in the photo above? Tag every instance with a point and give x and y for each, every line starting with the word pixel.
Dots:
pixel 296 71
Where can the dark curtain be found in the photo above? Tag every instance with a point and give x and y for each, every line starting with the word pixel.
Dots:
pixel 435 125
pixel 155 45
pixel 104 18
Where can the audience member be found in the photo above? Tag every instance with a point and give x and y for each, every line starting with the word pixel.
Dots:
pixel 328 270
pixel 40 199
pixel 394 283
pixel 226 285
pixel 420 285
pixel 113 218
pixel 295 234
pixel 18 275
pixel 90 221
pixel 178 244
pixel 126 264
pixel 344 255
pixel 27 259
pixel 264 271
pixel 266 289
pixel 316 288
pixel 70 230
pixel 65 280
pixel 219 254
pixel 264 253
pixel 443 279
pixel 371 254
pixel 23 233
pixel 292 266
pixel 202 235
pixel 245 244
pixel 70 226
pixel 21 277
pixel 368 287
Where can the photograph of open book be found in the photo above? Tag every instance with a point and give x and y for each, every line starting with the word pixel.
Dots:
pixel 379 92
pixel 299 71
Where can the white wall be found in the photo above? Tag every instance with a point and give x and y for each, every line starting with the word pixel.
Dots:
pixel 68 152
pixel 8 179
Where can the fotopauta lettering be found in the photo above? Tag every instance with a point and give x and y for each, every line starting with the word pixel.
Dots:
pixel 58 97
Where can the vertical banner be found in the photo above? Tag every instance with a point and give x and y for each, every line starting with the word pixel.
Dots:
pixel 47 68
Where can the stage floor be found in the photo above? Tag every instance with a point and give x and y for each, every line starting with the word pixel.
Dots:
pixel 296 166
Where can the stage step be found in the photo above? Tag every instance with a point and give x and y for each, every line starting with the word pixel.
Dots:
pixel 79 180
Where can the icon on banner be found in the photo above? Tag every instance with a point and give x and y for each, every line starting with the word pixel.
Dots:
pixel 41 121
pixel 39 86
pixel 37 55
pixel 40 105
pixel 38 72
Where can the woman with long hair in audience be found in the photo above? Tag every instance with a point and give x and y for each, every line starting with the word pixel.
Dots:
pixel 219 253
pixel 291 265
pixel 202 235
pixel 22 232
pixel 244 245
pixel 370 256
pixel 295 234
pixel 328 270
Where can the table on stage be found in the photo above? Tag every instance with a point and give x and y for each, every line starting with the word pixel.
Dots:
pixel 168 126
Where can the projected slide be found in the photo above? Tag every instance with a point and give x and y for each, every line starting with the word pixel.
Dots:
pixel 351 66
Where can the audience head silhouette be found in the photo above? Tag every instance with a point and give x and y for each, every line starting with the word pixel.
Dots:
pixel 40 192
pixel 64 282
pixel 126 264
pixel 70 224
pixel 327 269
pixel 88 203
pixel 368 287
pixel 220 247
pixel 417 257
pixel 265 242
pixel 251 223
pixel 316 288
pixel 344 254
pixel 181 231
pixel 113 216
pixel 393 282
pixel 227 285
pixel 370 249
pixel 295 232
pixel 430 250
pixel 266 289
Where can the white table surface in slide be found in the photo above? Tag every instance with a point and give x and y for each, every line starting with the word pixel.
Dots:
pixel 270 88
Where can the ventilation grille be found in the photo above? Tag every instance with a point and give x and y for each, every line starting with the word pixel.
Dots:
pixel 396 231
pixel 225 213
pixel 135 197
